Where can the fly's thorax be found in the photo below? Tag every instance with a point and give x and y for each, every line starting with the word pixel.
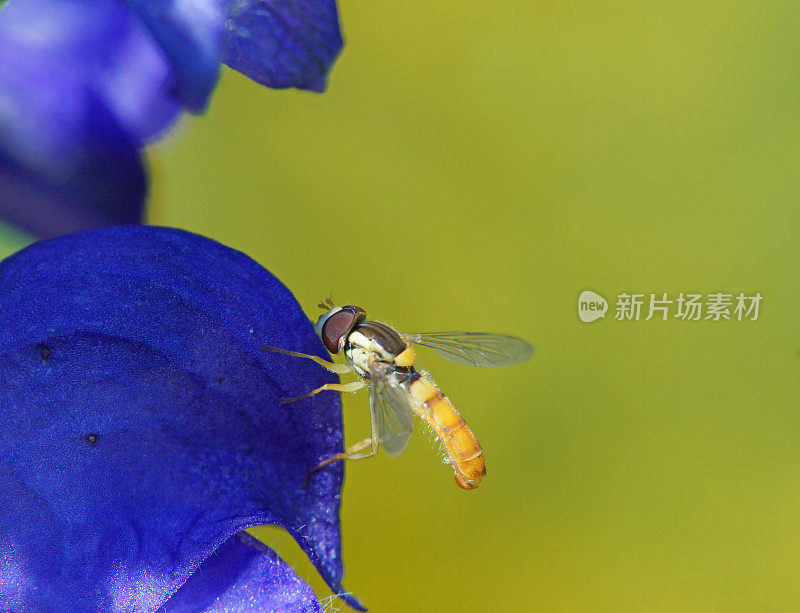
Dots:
pixel 372 341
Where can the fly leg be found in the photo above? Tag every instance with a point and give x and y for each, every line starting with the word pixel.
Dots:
pixel 351 453
pixel 334 387
pixel 340 369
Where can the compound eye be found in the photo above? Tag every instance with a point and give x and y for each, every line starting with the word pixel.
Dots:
pixel 335 327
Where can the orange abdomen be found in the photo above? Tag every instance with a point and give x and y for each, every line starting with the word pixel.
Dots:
pixel 464 453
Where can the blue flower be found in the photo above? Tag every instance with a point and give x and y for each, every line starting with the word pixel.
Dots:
pixel 142 429
pixel 86 84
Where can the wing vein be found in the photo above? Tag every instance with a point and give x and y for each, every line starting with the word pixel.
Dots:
pixel 475 348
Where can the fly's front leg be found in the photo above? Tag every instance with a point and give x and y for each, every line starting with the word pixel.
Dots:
pixel 333 387
pixel 339 369
pixel 351 453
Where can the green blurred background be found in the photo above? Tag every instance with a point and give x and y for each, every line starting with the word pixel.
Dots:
pixel 475 166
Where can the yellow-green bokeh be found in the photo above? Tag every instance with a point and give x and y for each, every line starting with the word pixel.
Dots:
pixel 475 165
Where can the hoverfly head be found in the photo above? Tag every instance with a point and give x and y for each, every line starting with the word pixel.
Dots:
pixel 334 326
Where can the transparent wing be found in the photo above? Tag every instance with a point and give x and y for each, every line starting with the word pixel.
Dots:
pixel 475 348
pixel 392 413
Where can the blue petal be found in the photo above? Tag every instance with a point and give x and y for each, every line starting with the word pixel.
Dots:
pixel 243 575
pixel 142 422
pixel 190 32
pixel 283 43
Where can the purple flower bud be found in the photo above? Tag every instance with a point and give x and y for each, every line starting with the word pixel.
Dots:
pixel 86 84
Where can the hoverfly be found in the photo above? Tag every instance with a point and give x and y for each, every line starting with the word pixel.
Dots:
pixel 384 361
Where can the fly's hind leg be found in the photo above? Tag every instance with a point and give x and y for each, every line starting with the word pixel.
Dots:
pixel 351 453
pixel 333 387
pixel 340 369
